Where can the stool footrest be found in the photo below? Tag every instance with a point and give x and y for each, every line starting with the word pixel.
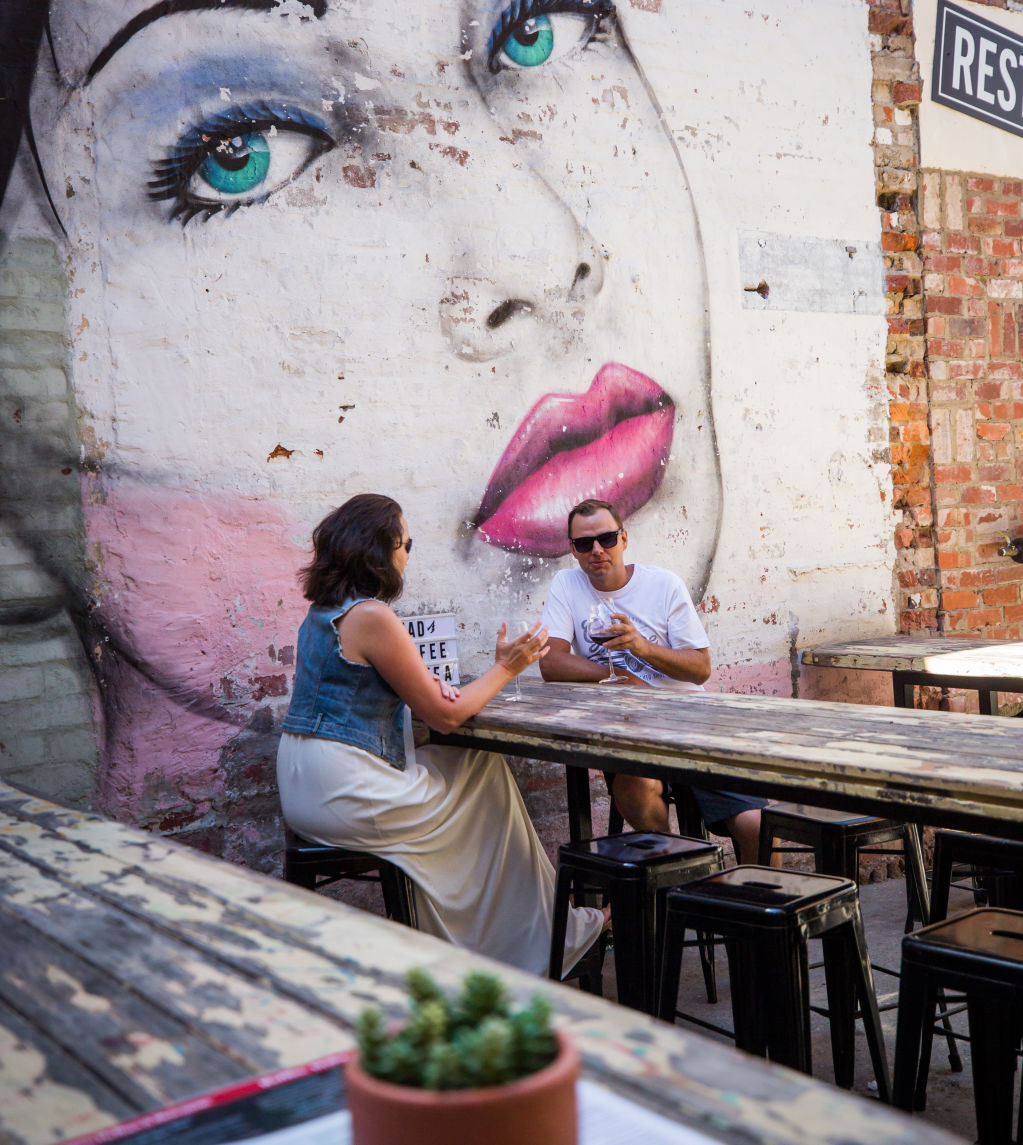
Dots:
pixel 767 918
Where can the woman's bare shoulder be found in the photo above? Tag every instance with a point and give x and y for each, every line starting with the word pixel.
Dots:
pixel 372 614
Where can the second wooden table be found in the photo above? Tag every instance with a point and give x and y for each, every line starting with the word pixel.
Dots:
pixel 941 768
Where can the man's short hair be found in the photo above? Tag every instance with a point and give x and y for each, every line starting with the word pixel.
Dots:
pixel 589 507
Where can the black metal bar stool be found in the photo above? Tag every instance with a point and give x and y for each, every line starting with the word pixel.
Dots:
pixel 995 865
pixel 767 917
pixel 838 839
pixel 691 826
pixel 995 868
pixel 981 954
pixel 634 870
pixel 315 865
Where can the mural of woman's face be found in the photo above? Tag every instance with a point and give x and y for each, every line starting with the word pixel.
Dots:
pixel 437 250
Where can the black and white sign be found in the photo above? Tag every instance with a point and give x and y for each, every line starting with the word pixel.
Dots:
pixel 978 68
pixel 434 636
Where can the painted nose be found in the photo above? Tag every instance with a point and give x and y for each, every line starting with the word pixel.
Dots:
pixel 482 313
pixel 521 262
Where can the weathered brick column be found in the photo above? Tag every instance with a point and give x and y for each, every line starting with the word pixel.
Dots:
pixel 896 95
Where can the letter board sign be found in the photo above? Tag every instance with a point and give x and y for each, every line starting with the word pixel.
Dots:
pixel 978 68
pixel 434 637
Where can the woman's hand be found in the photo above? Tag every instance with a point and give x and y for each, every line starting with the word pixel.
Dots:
pixel 420 729
pixel 516 655
pixel 448 691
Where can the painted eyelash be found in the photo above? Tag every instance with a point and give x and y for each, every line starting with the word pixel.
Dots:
pixel 521 10
pixel 172 174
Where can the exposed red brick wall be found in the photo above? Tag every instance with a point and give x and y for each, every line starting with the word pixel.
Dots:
pixel 953 249
pixel 973 285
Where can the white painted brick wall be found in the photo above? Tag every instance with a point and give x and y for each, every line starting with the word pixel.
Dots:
pixel 47 737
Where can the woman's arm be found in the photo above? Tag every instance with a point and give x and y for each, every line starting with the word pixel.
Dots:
pixel 372 634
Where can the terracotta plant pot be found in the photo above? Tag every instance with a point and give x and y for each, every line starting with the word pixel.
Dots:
pixel 539 1109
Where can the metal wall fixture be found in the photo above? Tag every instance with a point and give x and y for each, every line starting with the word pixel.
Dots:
pixel 1011 549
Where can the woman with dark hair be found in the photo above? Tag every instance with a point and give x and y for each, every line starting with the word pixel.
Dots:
pixel 349 774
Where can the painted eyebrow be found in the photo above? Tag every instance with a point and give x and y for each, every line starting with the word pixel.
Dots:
pixel 169 7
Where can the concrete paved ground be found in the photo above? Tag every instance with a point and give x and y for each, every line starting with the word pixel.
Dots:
pixel 949 1095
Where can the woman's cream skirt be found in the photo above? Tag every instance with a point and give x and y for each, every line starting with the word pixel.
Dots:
pixel 455 822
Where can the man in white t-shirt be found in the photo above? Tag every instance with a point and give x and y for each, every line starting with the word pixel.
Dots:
pixel 657 640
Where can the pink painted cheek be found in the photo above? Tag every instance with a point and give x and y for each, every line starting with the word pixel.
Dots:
pixel 203 590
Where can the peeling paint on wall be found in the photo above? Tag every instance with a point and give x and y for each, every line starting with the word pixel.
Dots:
pixel 483 260
pixel 841 276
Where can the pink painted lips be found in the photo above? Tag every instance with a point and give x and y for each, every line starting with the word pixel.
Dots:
pixel 611 443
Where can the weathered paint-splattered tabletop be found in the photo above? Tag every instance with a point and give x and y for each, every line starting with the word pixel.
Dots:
pixel 135 972
pixel 941 768
pixel 983 666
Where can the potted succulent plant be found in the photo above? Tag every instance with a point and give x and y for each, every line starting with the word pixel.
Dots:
pixel 463 1069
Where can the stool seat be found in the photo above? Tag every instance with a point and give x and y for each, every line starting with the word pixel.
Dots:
pixel 767 917
pixel 634 870
pixel 316 865
pixel 838 838
pixel 635 854
pixel 981 954
pixel 804 813
pixel 765 895
pixel 986 943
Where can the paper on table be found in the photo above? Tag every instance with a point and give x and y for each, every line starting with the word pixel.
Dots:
pixel 605 1118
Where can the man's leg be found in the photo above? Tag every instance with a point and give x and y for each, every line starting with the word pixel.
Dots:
pixel 640 802
pixel 727 813
pixel 745 831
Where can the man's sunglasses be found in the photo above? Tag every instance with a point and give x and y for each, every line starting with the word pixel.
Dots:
pixel 585 544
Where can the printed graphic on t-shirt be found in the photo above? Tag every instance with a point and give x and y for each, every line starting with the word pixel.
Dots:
pixel 623 658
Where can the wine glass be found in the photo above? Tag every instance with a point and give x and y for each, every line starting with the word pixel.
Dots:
pixel 600 618
pixel 517 628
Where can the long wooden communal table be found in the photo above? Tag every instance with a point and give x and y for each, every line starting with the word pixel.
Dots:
pixel 135 972
pixel 986 667
pixel 941 768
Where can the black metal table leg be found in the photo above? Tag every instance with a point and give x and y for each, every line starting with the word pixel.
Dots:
pixel 580 820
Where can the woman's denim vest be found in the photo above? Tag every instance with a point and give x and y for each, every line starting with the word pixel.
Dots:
pixel 336 699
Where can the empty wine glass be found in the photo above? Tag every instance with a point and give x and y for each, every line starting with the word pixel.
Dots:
pixel 517 628
pixel 600 618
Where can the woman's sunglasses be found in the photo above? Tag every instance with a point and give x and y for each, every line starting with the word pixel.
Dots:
pixel 585 544
pixel 407 546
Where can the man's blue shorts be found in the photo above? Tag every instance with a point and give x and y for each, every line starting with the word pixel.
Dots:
pixel 715 806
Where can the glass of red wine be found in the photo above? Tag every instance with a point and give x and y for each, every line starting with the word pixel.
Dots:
pixel 600 618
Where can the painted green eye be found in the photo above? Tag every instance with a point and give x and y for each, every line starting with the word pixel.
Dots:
pixel 237 158
pixel 237 166
pixel 531 44
pixel 525 38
